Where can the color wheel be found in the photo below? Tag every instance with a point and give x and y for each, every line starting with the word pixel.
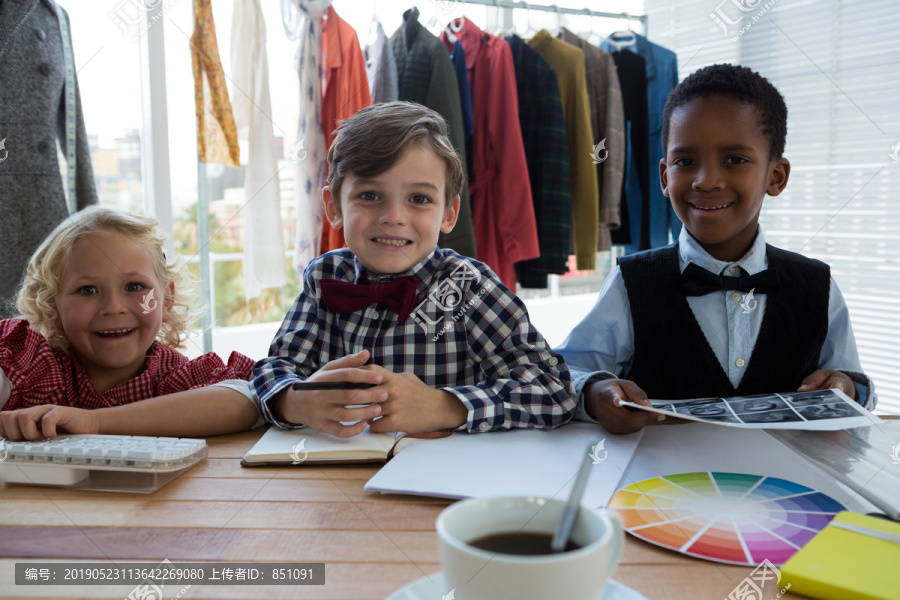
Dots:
pixel 726 517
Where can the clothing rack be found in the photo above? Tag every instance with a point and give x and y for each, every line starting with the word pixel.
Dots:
pixel 556 9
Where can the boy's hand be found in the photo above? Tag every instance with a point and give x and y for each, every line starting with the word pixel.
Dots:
pixel 601 401
pixel 824 379
pixel 414 407
pixel 324 410
pixel 40 422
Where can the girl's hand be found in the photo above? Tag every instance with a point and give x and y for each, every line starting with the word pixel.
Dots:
pixel 414 407
pixel 40 422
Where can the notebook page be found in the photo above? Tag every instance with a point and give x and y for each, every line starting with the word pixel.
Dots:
pixel 516 462
pixel 308 444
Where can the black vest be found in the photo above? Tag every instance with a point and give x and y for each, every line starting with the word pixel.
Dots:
pixel 673 359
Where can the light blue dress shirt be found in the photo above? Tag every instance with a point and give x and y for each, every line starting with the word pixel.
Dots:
pixel 602 345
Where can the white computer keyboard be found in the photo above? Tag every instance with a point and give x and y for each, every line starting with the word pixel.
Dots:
pixel 103 462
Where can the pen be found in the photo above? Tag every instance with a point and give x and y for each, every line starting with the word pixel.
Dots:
pixel 331 385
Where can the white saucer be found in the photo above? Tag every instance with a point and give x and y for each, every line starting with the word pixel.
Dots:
pixel 434 587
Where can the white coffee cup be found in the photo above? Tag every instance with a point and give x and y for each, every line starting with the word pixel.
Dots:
pixel 477 574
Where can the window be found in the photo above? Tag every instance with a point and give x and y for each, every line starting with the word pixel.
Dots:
pixel 107 61
pixel 225 184
pixel 836 64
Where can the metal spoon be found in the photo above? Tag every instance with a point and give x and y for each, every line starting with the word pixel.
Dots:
pixel 567 519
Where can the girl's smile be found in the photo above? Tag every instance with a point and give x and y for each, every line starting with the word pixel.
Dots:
pixel 101 310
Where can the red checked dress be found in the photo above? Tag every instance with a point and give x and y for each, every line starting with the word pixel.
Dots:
pixel 41 374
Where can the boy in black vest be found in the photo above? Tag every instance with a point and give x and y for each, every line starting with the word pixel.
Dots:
pixel 720 312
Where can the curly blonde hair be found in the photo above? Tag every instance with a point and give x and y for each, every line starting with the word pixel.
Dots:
pixel 37 295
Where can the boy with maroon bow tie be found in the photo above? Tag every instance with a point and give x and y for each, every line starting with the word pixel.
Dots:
pixel 444 342
pixel 720 312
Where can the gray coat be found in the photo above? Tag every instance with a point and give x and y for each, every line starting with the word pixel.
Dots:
pixel 32 118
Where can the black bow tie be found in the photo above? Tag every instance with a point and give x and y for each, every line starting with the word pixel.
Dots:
pixel 697 281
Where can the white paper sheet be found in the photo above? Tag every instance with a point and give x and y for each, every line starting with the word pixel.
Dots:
pixel 521 462
pixel 818 410
pixel 692 447
pixel 866 459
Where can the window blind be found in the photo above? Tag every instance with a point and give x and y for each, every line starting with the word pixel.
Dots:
pixel 838 66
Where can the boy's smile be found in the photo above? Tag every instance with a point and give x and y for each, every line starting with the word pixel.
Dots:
pixel 392 221
pixel 717 172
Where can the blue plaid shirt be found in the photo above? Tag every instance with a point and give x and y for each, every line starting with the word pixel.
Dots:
pixel 468 335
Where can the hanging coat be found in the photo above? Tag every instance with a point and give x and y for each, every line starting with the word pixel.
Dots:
pixel 608 123
pixel 346 91
pixel 502 207
pixel 302 20
pixel 543 127
pixel 425 75
pixel 568 62
pixel 32 199
pixel 661 70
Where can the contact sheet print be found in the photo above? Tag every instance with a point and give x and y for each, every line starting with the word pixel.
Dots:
pixel 822 410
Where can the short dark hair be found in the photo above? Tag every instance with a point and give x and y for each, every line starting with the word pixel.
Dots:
pixel 370 142
pixel 744 85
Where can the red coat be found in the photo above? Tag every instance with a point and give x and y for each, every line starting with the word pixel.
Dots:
pixel 346 91
pixel 502 208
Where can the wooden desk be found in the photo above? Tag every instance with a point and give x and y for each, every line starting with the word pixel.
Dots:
pixel 371 544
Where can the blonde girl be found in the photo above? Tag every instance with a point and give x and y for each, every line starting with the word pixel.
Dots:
pixel 102 316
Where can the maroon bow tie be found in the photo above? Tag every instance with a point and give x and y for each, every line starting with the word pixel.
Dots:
pixel 345 297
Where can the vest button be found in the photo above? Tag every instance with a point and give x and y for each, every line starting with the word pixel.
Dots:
pixel 736 297
pixel 39 33
pixel 44 69
pixel 740 362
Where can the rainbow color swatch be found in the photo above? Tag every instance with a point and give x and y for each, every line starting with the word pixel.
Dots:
pixel 726 517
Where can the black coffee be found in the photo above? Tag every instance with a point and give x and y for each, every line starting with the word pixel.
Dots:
pixel 524 543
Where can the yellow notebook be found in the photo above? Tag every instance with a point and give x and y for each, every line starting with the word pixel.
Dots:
pixel 839 564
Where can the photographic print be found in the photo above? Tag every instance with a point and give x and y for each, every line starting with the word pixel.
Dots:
pixel 819 410
pixel 712 407
pixel 810 398
pixel 826 411
pixel 772 416
pixel 756 404
pixel 723 418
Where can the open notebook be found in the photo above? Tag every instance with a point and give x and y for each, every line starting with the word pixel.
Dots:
pixel 303 446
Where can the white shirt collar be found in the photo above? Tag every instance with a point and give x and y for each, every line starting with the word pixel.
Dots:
pixel 689 251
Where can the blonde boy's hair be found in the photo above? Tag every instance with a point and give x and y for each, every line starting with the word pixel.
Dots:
pixel 37 295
